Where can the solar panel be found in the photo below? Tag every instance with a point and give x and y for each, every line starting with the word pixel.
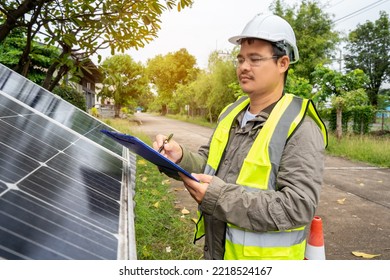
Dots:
pixel 64 186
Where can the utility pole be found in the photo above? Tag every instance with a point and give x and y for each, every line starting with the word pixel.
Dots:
pixel 340 60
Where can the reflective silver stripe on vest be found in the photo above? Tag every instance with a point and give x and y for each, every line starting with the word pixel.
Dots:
pixel 265 239
pixel 231 107
pixel 278 139
pixel 209 170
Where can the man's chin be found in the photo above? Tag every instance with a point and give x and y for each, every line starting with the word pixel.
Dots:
pixel 246 90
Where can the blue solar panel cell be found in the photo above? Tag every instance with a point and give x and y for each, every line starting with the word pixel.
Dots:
pixel 36 230
pixel 61 180
pixel 14 165
pixel 54 107
pixel 3 187
pixel 104 181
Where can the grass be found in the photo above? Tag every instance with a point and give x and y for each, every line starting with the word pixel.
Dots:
pixel 162 231
pixel 194 120
pixel 370 149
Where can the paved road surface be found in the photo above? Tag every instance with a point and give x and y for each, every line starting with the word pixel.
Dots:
pixel 354 204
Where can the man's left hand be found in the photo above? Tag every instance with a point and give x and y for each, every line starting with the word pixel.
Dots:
pixel 197 190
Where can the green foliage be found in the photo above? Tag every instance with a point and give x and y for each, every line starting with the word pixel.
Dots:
pixel 211 91
pixel 333 83
pixel 82 27
pixel 124 81
pixel 313 30
pixel 72 96
pixel 384 99
pixel 125 110
pixel 355 107
pixel 299 86
pixel 370 149
pixel 369 50
pixel 363 117
pixel 161 232
pixel 168 72
pixel 222 74
pixel 94 112
pixel 39 58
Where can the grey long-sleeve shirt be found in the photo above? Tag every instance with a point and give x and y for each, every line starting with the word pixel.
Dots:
pixel 292 205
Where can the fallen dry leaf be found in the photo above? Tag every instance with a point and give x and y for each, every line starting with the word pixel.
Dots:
pixel 364 255
pixel 185 211
pixel 195 220
pixel 168 249
pixel 157 204
pixel 341 201
pixel 165 182
pixel 144 179
pixel 142 162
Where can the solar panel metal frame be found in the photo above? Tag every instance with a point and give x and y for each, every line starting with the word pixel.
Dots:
pixel 45 107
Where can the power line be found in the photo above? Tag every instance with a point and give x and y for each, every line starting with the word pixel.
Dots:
pixel 362 10
pixel 334 5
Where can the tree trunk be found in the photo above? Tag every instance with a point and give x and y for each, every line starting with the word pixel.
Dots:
pixel 61 73
pixel 164 109
pixel 339 124
pixel 210 116
pixel 117 108
pixel 49 75
pixel 12 17
pixel 23 66
pixel 49 83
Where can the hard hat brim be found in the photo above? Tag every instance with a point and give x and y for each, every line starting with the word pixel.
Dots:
pixel 236 39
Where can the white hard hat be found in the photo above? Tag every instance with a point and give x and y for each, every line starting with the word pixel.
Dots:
pixel 271 28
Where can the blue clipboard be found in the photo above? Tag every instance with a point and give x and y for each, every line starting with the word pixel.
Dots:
pixel 142 149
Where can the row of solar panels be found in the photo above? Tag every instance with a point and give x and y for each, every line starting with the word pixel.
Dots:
pixel 66 190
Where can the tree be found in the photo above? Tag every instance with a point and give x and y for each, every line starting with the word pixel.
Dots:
pixel 336 86
pixel 355 102
pixel 12 14
pixel 168 71
pixel 124 81
pixel 299 86
pixel 222 74
pixel 369 50
pixel 71 95
pixel 40 57
pixel 329 83
pixel 80 28
pixel 313 30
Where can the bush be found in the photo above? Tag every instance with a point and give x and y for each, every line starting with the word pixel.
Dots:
pixel 94 112
pixel 72 96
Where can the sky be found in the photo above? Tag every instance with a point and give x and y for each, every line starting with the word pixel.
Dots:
pixel 209 24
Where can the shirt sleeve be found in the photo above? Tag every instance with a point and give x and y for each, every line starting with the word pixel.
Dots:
pixel 190 161
pixel 295 199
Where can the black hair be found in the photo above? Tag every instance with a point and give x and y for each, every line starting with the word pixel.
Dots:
pixel 279 50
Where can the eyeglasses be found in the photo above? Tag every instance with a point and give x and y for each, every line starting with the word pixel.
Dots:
pixel 253 61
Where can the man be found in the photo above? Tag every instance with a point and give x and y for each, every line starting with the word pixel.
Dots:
pixel 261 173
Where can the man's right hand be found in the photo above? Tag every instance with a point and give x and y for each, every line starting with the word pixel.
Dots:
pixel 171 150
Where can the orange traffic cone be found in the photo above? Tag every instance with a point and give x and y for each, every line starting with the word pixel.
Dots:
pixel 315 248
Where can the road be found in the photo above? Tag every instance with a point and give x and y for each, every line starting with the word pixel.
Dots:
pixel 354 204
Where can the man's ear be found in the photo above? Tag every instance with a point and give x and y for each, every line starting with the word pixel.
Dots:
pixel 284 63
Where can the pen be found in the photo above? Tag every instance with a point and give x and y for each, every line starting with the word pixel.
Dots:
pixel 165 142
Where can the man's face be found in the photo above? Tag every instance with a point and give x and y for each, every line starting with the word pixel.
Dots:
pixel 257 71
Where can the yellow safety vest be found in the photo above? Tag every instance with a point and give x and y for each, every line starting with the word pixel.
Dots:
pixel 259 172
